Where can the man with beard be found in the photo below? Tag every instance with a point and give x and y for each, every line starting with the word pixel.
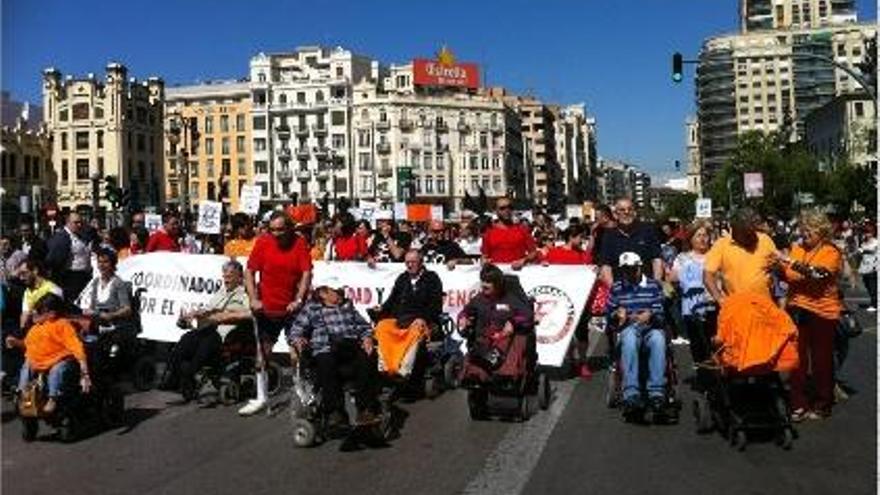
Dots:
pixel 438 249
pixel 282 259
pixel 506 241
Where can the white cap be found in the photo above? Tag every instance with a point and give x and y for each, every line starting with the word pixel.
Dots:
pixel 629 258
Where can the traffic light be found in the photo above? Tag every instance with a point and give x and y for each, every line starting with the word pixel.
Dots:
pixel 677 67
pixel 111 190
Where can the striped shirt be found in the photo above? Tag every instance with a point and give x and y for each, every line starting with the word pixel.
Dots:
pixel 647 294
pixel 322 324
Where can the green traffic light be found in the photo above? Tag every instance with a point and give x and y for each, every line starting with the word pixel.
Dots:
pixel 676 78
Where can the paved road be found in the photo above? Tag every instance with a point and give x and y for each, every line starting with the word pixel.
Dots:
pixel 577 446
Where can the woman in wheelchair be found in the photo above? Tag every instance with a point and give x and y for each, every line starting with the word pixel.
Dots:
pixel 51 347
pixel 635 309
pixel 337 338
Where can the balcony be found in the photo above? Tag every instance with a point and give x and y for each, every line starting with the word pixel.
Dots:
pixel 301 131
pixel 405 124
pixel 383 147
pixel 384 172
pixel 324 174
pixel 442 126
pixel 303 175
pixel 302 153
pixel 283 154
pixel 463 126
pixel 285 175
pixel 383 125
pixel 283 131
pixel 426 124
pixel 319 129
pixel 321 153
pixel 496 128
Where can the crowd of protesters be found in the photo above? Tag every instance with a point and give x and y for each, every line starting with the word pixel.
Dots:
pixel 696 266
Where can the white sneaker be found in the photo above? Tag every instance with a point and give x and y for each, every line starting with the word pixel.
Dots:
pixel 871 309
pixel 680 341
pixel 252 407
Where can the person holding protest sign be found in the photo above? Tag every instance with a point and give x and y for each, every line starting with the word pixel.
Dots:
pixel 506 241
pixel 282 260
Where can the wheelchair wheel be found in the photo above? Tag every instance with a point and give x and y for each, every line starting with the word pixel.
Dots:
pixel 477 405
pixel 304 433
pixel 785 439
pixel 229 392
pixel 702 415
pixel 29 429
pixel 612 397
pixel 144 373
pixel 68 429
pixel 544 391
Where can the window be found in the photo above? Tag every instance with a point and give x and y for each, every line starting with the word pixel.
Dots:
pixel 65 172
pixel 194 170
pixel 242 167
pixel 142 115
pixel 82 169
pixel 259 123
pixel 82 140
pixel 426 137
pixel 416 159
pixel 152 144
pixel 338 141
pixel 484 140
pixel 496 162
pixel 261 167
pixel 141 142
pixel 194 190
pixel 81 111
pixel 364 162
pixel 239 122
pixel 484 162
pixel 62 115
pixel 363 138
pixel 301 97
pixel 340 72
pixel 227 167
pixel 282 99
pixel 36 163
pixel 429 185
pixel 27 166
pixel 440 161
pixel 304 165
pixel 259 144
pixel 209 168
pixel 429 161
pixel 319 96
pixel 175 191
pixel 209 125
pixel 241 185
pixel 383 115
pixel 366 185
pixel 337 118
pixel 441 186
pixel 859 109
pixel 209 146
pixel 224 123
pixel 63 140
pixel 224 146
pixel 473 162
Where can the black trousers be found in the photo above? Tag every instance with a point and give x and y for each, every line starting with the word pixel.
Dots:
pixel 870 281
pixel 333 368
pixel 700 330
pixel 196 349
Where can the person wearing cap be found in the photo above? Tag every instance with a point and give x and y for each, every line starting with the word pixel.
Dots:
pixel 284 264
pixel 507 241
pixel 337 335
pixel 438 249
pixel 635 307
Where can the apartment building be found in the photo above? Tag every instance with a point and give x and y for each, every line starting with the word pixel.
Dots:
pixel 763 15
pixel 27 178
pixel 846 127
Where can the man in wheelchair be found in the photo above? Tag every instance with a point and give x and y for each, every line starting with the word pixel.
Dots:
pixel 201 345
pixel 635 309
pixel 52 346
pixel 337 339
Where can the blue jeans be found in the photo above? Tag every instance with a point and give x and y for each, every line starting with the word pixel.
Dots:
pixel 56 377
pixel 632 338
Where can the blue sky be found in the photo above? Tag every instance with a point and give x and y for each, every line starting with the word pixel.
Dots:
pixel 613 55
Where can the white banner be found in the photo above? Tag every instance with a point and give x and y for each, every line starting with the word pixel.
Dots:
pixel 175 282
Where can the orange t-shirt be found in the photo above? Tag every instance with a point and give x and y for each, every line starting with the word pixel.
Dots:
pixel 49 342
pixel 742 270
pixel 239 247
pixel 817 296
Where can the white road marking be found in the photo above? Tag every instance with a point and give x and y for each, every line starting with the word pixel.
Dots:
pixel 509 467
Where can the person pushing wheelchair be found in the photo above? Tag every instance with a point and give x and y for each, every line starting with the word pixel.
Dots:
pixel 635 308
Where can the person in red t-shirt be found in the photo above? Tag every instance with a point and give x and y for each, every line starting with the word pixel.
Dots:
pixel 347 245
pixel 570 253
pixel 506 241
pixel 165 238
pixel 284 263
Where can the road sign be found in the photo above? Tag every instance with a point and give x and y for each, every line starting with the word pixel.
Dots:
pixel 704 208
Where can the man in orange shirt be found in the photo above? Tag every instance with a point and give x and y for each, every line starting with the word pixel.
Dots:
pixel 50 346
pixel 243 230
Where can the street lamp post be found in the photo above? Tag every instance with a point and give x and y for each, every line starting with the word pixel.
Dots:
pixel 177 135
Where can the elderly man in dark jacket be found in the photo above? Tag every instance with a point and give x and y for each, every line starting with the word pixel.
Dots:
pixel 69 257
pixel 407 316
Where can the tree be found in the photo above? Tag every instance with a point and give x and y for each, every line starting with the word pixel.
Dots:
pixel 682 206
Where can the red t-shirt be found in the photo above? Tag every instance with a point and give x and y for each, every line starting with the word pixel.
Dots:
pixel 352 248
pixel 280 271
pixel 562 255
pixel 503 244
pixel 161 241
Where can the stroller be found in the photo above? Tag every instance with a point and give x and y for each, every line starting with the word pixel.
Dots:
pixel 742 392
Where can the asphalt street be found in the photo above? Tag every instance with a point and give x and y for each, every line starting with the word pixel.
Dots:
pixel 577 446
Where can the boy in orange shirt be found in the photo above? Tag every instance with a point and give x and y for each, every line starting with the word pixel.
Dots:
pixel 49 347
